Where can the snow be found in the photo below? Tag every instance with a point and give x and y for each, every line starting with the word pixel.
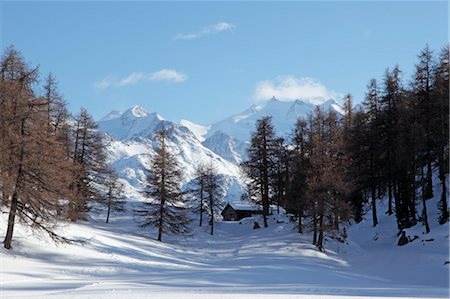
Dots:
pixel 229 148
pixel 284 115
pixel 123 260
pixel 198 130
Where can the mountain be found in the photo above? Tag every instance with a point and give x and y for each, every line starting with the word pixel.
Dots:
pixel 229 148
pixel 131 143
pixel 198 130
pixel 284 115
pixel 230 137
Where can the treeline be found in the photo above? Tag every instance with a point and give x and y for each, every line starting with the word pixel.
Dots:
pixel 52 163
pixel 332 164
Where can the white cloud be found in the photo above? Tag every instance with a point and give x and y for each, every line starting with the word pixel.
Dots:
pixel 168 75
pixel 207 30
pixel 105 83
pixel 131 79
pixel 289 88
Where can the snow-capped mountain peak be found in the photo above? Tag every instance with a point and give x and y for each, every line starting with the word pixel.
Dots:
pixel 133 122
pixel 136 111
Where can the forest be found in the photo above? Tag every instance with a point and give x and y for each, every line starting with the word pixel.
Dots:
pixel 331 170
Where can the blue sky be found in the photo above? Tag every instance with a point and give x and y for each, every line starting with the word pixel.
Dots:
pixel 205 61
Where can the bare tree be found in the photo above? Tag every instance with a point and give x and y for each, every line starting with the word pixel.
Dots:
pixel 166 210
pixel 212 188
pixel 88 156
pixel 113 198
pixel 34 171
pixel 259 167
pixel 198 191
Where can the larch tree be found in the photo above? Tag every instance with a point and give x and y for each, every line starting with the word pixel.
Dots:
pixel 34 171
pixel 166 209
pixel 422 89
pixel 298 168
pixel 326 180
pixel 280 176
pixel 213 184
pixel 371 145
pixel 198 191
pixel 441 132
pixel 113 197
pixel 88 156
pixel 259 166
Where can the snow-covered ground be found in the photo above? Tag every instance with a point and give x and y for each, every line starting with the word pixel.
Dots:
pixel 122 260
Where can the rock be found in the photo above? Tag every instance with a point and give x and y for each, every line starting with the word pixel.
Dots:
pixel 256 225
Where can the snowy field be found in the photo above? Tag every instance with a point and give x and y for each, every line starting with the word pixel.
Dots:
pixel 122 260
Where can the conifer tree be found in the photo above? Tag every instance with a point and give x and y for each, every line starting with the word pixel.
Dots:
pixel 441 132
pixel 113 197
pixel 326 180
pixel 422 88
pixel 214 193
pixel 34 172
pixel 280 175
pixel 88 156
pixel 166 208
pixel 259 166
pixel 296 182
pixel 198 191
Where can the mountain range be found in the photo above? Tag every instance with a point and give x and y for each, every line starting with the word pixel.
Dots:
pixel 130 141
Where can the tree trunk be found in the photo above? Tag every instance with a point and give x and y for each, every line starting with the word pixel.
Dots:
pixel 373 190
pixel 211 210
pixel 14 199
pixel 429 193
pixel 443 206
pixel 320 240
pixel 109 210
pixel 201 204
pixel 336 215
pixel 315 229
pixel 300 228
pixel 160 225
pixel 374 206
pixel 11 220
pixel 425 215
pixel 424 212
pixel 389 211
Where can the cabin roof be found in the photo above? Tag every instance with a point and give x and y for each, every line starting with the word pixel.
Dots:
pixel 241 207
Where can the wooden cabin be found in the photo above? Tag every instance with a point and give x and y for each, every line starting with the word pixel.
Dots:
pixel 231 214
